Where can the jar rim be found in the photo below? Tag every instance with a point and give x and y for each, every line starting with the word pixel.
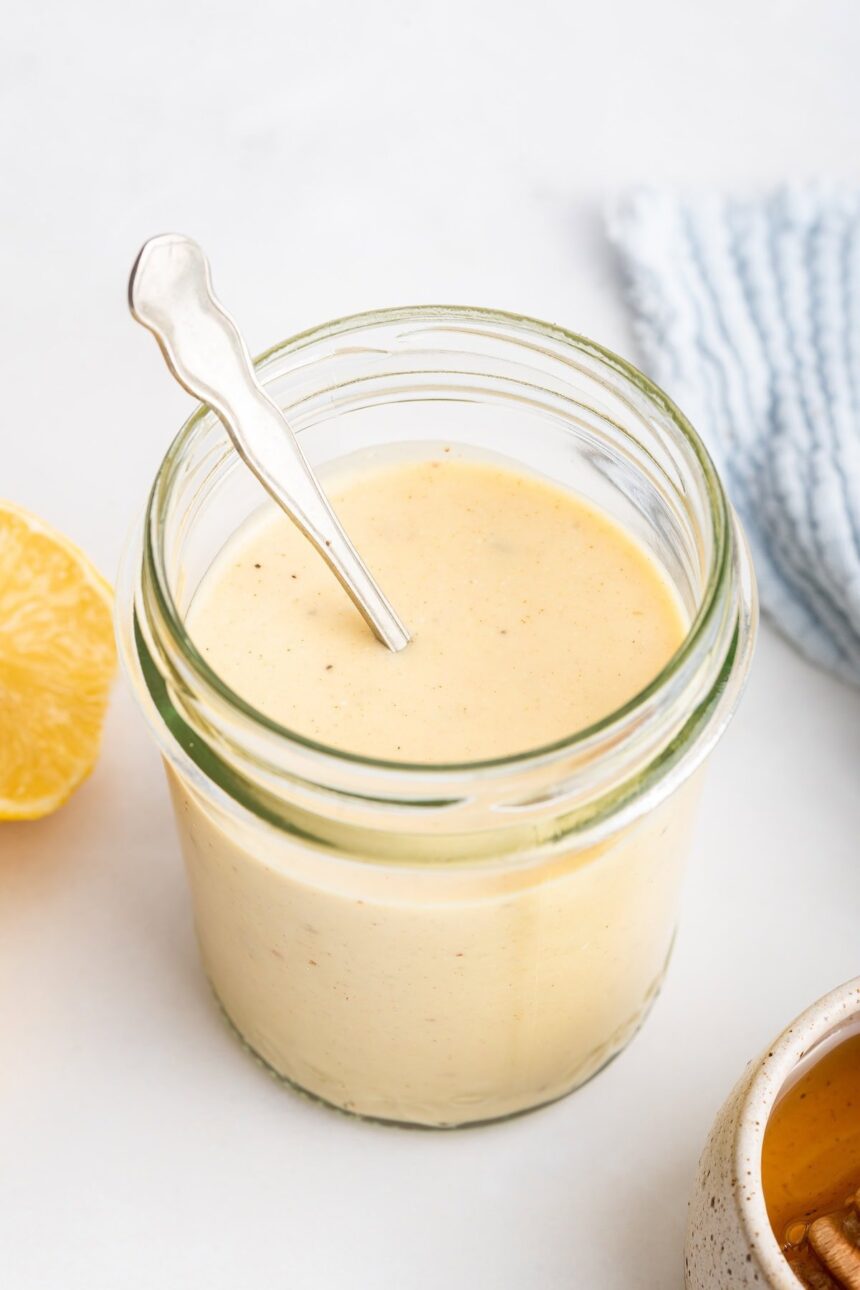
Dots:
pixel 583 738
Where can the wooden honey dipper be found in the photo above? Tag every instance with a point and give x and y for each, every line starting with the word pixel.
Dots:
pixel 830 1257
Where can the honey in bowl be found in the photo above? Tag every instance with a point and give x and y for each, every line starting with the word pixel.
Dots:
pixel 811 1168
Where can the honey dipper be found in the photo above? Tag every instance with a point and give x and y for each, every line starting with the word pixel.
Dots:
pixel 831 1260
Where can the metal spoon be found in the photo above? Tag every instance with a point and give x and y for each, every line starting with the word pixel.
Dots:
pixel 170 292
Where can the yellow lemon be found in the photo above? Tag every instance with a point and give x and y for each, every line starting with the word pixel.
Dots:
pixel 57 661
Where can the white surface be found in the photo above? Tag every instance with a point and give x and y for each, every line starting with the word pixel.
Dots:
pixel 333 157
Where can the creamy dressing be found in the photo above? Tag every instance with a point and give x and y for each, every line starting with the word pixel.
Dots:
pixel 533 615
pixel 429 989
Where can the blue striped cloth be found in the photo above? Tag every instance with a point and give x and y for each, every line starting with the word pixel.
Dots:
pixel 748 314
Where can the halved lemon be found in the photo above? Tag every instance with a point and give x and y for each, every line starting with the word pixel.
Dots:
pixel 57 661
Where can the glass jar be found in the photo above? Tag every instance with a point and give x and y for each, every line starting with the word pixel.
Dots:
pixel 450 943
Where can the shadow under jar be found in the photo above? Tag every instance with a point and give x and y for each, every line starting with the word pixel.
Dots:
pixel 442 944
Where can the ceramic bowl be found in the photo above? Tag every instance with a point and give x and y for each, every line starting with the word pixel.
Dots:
pixel 729 1238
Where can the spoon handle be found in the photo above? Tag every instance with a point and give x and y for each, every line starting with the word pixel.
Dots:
pixel 170 293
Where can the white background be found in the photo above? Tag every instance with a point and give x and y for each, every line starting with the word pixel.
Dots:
pixel 333 156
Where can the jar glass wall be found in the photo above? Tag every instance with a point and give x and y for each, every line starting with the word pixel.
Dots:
pixel 448 943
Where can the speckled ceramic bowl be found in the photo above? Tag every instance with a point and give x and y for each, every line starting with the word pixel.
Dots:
pixel 729 1238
